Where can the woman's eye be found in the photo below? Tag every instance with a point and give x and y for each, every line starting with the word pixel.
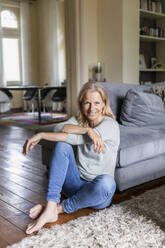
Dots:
pixel 97 103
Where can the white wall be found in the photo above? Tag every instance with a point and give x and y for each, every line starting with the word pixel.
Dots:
pixel 42 44
pixel 110 38
pixel 81 46
pixel 130 39
pixel 101 30
pixel 34 43
pixel 118 39
pixel 89 37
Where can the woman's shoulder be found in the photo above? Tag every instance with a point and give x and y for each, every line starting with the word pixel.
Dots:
pixel 108 129
pixel 107 123
pixel 72 120
pixel 59 126
pixel 110 120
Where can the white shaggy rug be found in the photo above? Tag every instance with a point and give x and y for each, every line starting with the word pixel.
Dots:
pixel 137 223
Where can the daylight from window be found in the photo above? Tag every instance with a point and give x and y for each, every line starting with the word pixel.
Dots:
pixel 10 45
pixel 9 20
pixel 11 59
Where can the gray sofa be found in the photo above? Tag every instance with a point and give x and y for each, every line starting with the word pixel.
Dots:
pixel 141 115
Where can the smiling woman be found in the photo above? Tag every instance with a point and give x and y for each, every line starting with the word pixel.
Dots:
pixel 99 99
pixel 88 180
pixel 92 108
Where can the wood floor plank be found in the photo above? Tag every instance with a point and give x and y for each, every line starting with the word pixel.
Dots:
pixel 15 155
pixel 14 216
pixel 15 200
pixel 26 167
pixel 15 151
pixel 10 233
pixel 29 184
pixel 22 191
pixel 27 175
pixel 3 242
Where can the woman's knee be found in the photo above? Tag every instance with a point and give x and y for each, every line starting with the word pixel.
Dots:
pixel 106 183
pixel 63 147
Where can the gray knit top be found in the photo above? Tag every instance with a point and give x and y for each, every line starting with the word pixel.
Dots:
pixel 90 163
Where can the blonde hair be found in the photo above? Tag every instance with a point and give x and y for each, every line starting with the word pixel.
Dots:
pixel 93 87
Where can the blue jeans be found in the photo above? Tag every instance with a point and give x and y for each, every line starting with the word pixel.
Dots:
pixel 65 176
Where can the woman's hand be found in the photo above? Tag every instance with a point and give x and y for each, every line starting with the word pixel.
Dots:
pixel 30 143
pixel 97 140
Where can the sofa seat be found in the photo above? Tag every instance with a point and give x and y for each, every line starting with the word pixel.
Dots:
pixel 138 144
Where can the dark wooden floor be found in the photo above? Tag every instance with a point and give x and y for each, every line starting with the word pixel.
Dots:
pixel 23 183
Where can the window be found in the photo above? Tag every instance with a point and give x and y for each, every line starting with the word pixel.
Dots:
pixel 9 19
pixel 11 44
pixel 11 59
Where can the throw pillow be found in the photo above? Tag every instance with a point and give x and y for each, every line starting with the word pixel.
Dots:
pixel 158 90
pixel 142 109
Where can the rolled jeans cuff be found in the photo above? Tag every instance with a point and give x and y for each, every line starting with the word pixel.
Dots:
pixel 64 207
pixel 53 198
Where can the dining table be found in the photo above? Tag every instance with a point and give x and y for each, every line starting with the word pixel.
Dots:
pixel 39 88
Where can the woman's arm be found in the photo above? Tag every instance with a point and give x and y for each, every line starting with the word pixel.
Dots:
pixel 97 140
pixel 62 136
pixel 75 129
pixel 59 126
pixel 30 143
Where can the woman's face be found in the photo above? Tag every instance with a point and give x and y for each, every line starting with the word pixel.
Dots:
pixel 92 106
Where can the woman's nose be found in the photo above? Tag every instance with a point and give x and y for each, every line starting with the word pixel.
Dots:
pixel 92 106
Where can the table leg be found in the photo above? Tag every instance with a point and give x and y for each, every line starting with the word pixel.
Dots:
pixel 39 105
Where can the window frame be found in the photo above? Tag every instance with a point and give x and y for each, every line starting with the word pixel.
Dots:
pixel 12 33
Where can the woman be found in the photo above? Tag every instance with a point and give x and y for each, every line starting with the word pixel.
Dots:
pixel 88 179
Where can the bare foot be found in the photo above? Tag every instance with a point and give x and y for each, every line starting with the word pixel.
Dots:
pixel 35 211
pixel 50 214
pixel 60 209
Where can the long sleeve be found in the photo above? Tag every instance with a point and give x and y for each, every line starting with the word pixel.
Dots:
pixel 58 127
pixel 109 132
pixel 92 164
pixel 73 139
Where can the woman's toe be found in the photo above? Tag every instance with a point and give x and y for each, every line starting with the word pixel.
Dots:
pixel 35 211
pixel 29 227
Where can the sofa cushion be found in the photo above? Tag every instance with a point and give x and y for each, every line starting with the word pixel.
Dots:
pixel 117 92
pixel 142 109
pixel 138 144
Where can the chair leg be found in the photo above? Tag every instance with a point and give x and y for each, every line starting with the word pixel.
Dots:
pixel 59 106
pixel 54 106
pixel 44 107
pixel 33 109
pixel 25 106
